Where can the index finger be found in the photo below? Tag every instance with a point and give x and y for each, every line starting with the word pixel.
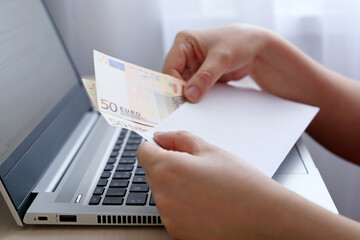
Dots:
pixel 175 61
pixel 185 56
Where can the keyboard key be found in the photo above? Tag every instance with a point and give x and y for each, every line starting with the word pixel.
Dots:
pixel 116 192
pixel 98 191
pixel 131 147
pixel 112 160
pixel 139 179
pixel 123 133
pixel 122 175
pixel 124 167
pixel 94 200
pixel 119 183
pixel 140 171
pixel 136 199
pixel 108 167
pixel 119 142
pixel 152 201
pixel 105 174
pixel 102 182
pixel 113 201
pixel 139 188
pixel 117 148
pixel 128 154
pixel 114 154
pixel 134 135
pixel 121 137
pixel 133 142
pixel 127 160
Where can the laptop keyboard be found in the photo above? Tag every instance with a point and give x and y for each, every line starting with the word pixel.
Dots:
pixel 123 180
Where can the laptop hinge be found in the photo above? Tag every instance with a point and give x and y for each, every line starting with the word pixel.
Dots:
pixel 10 204
pixel 63 159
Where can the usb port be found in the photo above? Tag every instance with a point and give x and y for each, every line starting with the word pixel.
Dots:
pixel 42 218
pixel 67 218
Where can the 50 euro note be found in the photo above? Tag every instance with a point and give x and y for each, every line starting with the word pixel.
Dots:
pixel 131 96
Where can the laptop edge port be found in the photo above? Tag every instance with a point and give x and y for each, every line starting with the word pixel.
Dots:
pixel 67 218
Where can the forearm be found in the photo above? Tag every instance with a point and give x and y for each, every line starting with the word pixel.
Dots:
pixel 302 219
pixel 304 80
pixel 286 215
pixel 281 214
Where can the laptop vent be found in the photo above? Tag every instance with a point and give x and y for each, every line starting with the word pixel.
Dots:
pixel 129 220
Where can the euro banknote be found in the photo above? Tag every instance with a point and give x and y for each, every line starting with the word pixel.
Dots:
pixel 131 96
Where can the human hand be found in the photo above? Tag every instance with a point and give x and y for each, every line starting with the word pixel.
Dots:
pixel 203 192
pixel 205 56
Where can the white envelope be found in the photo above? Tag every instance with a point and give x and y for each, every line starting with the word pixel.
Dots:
pixel 258 127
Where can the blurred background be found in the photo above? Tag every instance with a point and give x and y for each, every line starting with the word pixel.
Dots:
pixel 142 32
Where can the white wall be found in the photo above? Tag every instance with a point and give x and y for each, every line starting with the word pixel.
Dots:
pixel 129 30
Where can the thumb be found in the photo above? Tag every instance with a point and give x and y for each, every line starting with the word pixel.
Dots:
pixel 180 141
pixel 213 67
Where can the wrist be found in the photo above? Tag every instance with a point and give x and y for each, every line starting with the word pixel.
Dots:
pixel 285 71
pixel 261 39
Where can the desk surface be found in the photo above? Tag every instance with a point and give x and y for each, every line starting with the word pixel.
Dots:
pixel 9 230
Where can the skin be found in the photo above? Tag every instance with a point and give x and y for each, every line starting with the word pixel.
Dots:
pixel 190 178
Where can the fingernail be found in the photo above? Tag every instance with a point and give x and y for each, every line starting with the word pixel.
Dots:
pixel 193 93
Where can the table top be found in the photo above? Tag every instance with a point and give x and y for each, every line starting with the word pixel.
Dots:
pixel 10 230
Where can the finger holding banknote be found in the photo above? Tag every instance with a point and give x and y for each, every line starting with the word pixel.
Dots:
pixel 202 57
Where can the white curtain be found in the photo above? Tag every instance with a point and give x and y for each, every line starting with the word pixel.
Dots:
pixel 327 30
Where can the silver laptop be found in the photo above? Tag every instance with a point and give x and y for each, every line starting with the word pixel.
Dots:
pixel 60 162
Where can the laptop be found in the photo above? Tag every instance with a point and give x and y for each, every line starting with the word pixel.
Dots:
pixel 60 162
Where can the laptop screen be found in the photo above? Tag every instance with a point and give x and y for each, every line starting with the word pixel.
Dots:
pixel 35 71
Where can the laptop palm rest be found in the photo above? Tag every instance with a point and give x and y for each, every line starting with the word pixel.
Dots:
pixel 292 164
pixel 88 160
